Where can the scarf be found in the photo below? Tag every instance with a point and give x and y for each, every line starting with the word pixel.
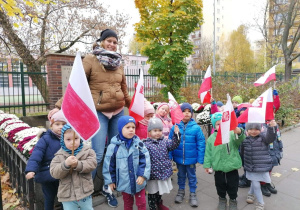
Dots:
pixel 62 142
pixel 109 59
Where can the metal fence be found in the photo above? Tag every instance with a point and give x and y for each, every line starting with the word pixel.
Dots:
pixel 16 164
pixel 18 94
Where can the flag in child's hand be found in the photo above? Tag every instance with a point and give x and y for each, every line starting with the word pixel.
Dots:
pixel 176 113
pixel 260 111
pixel 78 105
pixel 228 123
pixel 136 108
pixel 206 85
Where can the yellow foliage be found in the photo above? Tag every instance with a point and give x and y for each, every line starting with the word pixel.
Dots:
pixel 16 25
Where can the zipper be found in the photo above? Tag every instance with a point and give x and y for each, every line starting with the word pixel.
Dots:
pixel 183 141
pixel 118 178
pixel 100 97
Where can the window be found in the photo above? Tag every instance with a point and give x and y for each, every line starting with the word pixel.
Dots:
pixel 218 11
pixel 133 62
pixel 218 29
pixel 143 62
pixel 218 20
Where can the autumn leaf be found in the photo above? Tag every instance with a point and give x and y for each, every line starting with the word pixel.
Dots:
pixel 276 174
pixel 295 169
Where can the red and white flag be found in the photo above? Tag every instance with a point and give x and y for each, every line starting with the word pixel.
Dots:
pixel 176 113
pixel 78 106
pixel 206 85
pixel 228 123
pixel 261 109
pixel 266 77
pixel 136 108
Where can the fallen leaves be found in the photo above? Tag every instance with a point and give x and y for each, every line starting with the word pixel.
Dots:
pixel 276 174
pixel 295 169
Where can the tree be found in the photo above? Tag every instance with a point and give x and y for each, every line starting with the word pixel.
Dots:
pixel 238 54
pixel 135 46
pixel 56 27
pixel 281 31
pixel 165 27
pixel 205 56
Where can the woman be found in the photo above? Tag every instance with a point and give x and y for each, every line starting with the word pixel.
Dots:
pixel 109 91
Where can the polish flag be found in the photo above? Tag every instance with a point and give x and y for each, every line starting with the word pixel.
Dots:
pixel 206 85
pixel 228 123
pixel 176 113
pixel 267 77
pixel 78 106
pixel 261 109
pixel 136 108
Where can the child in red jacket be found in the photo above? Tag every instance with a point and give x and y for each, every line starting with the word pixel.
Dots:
pixel 142 126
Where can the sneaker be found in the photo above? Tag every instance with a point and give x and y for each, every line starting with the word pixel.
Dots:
pixel 111 199
pixel 232 204
pixel 180 196
pixel 250 199
pixel 222 203
pixel 259 206
pixel 244 182
pixel 193 200
pixel 265 190
pixel 271 188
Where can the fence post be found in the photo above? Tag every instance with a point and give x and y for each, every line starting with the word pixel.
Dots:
pixel 1 205
pixel 23 90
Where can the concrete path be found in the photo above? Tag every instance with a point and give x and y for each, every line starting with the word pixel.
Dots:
pixel 285 177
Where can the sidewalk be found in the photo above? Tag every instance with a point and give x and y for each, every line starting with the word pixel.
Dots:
pixel 286 180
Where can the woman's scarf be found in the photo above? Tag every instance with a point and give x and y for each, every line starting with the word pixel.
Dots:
pixel 109 59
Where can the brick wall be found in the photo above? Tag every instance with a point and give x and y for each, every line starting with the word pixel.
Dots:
pixel 54 63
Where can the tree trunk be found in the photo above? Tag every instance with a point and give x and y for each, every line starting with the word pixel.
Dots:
pixel 287 70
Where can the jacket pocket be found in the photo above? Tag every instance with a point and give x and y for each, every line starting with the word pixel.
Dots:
pixel 64 189
pixel 100 98
pixel 87 184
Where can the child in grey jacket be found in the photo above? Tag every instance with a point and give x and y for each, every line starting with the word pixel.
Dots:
pixel 74 171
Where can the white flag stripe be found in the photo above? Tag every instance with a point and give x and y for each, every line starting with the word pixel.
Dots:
pixel 202 96
pixel 208 72
pixel 80 87
pixel 263 78
pixel 139 97
pixel 225 126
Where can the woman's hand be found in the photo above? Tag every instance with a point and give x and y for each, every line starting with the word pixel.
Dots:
pixel 52 112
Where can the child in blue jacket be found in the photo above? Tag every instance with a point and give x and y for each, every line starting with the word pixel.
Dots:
pixel 126 164
pixel 190 151
pixel 38 164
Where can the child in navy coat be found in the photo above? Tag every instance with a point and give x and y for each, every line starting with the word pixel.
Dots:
pixel 161 166
pixel 38 164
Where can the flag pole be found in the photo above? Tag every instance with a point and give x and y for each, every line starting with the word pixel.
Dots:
pixel 71 170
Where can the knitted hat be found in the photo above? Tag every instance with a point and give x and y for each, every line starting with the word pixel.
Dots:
pixel 148 108
pixel 219 103
pixel 256 126
pixel 58 116
pixel 155 123
pixel 237 99
pixel 215 117
pixel 107 33
pixel 161 104
pixel 185 106
pixel 124 120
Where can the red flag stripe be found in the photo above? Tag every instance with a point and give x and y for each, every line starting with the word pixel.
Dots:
pixel 79 113
pixel 270 78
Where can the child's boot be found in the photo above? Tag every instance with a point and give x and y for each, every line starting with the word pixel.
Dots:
pixel 265 191
pixel 193 200
pixel 271 188
pixel 259 206
pixel 161 206
pixel 222 203
pixel 180 196
pixel 232 204
pixel 250 199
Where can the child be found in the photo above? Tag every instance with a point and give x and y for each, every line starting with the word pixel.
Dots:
pixel 39 162
pixel 141 126
pixel 161 166
pixel 225 161
pixel 126 165
pixel 257 160
pixel 236 100
pixel 162 113
pixel 190 151
pixel 74 171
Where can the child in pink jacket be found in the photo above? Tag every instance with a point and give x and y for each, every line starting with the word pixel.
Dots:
pixel 162 113
pixel 142 126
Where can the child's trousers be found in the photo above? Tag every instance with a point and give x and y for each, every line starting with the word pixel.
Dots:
pixel 227 183
pixel 153 200
pixel 84 204
pixel 140 200
pixel 188 171
pixel 50 191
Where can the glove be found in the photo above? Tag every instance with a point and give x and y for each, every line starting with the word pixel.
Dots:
pixel 275 93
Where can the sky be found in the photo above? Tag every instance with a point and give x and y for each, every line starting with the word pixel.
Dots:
pixel 246 10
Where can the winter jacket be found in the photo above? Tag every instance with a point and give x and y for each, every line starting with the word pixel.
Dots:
pixel 78 184
pixel 161 166
pixel 275 148
pixel 108 87
pixel 42 155
pixel 224 157
pixel 256 151
pixel 123 166
pixel 141 130
pixel 192 144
